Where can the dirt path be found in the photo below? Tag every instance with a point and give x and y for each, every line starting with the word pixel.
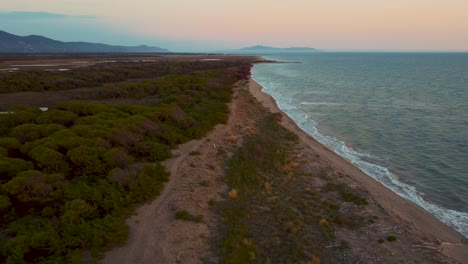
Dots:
pixel 155 235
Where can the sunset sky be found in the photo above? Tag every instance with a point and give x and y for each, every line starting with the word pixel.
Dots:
pixel 207 25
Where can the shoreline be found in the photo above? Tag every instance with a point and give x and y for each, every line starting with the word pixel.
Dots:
pixel 415 219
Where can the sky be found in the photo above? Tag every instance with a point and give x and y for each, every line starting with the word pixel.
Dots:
pixel 210 25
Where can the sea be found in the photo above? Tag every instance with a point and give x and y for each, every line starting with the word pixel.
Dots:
pixel 402 118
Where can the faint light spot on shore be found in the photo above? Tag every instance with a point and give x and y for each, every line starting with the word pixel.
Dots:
pixel 62 69
pixel 9 69
pixel 35 65
pixel 42 108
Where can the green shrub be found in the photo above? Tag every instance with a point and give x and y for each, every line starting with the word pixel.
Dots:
pixel 9 167
pixel 49 160
pixel 3 152
pixel 34 186
pixel 118 157
pixel 26 132
pixel 87 160
pixel 148 183
pixel 183 215
pixel 31 132
pixel 6 124
pixel 4 203
pixel 12 145
pixel 23 114
pixel 151 151
pixel 61 117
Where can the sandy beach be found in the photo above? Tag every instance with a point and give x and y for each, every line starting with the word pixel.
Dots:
pixel 416 221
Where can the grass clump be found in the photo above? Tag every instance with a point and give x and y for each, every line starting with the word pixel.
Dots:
pixel 194 153
pixel 185 215
pixel 346 192
pixel 391 238
pixel 203 183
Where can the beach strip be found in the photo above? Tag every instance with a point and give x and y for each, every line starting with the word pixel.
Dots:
pixel 403 211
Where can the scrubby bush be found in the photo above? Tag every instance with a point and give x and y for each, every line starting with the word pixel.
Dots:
pixel 30 132
pixel 3 152
pixel 34 186
pixel 10 145
pixel 49 160
pixel 4 203
pixel 26 132
pixel 149 182
pixel 61 117
pixel 6 124
pixel 118 157
pixel 151 151
pixel 9 167
pixel 87 160
pixel 24 117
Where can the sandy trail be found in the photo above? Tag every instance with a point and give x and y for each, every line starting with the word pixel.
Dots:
pixel 141 245
pixel 155 235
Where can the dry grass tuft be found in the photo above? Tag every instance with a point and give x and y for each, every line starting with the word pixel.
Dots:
pixel 314 260
pixel 294 165
pixel 268 187
pixel 233 194
pixel 247 242
pixel 232 139
pixel 324 223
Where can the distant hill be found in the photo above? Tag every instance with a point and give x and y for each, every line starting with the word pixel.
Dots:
pixel 39 44
pixel 265 49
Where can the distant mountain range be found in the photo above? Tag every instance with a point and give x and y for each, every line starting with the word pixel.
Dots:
pixel 39 44
pixel 265 49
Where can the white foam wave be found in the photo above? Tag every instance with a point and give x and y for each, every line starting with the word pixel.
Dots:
pixel 456 219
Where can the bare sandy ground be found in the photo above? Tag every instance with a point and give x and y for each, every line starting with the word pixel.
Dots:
pixel 156 236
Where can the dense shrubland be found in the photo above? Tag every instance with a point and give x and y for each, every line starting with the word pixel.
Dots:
pixel 98 74
pixel 71 175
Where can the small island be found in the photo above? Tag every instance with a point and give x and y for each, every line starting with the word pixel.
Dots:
pixel 259 49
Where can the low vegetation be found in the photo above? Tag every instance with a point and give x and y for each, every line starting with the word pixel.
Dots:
pixel 275 210
pixel 70 176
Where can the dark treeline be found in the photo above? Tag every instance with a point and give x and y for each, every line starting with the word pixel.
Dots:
pixel 98 74
pixel 70 176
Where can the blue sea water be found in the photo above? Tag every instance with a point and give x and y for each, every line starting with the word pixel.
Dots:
pixel 400 117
